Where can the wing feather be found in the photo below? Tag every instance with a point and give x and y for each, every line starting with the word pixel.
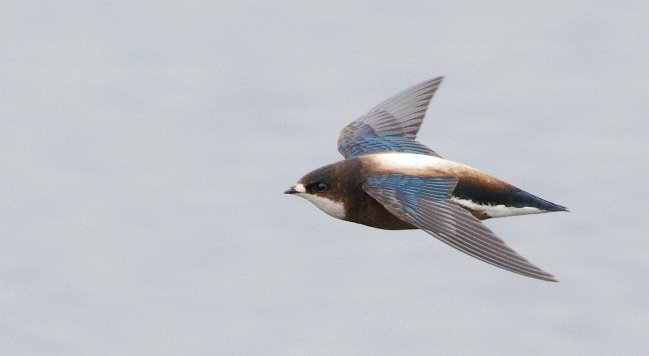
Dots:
pixel 392 125
pixel 424 202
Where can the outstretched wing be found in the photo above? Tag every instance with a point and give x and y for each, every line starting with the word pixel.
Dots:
pixel 391 125
pixel 424 202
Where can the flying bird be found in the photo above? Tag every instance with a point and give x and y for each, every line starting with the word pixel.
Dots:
pixel 390 181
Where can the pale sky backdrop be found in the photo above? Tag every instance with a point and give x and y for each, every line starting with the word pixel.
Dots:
pixel 144 149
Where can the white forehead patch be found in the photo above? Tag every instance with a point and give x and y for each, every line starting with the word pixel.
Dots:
pixel 333 208
pixel 299 187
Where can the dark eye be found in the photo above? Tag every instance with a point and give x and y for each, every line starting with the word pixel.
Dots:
pixel 320 187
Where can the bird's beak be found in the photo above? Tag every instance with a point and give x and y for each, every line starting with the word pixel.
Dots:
pixel 291 190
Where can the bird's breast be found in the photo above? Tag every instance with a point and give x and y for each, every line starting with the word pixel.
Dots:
pixel 364 209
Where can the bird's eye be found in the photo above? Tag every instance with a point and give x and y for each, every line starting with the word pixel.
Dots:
pixel 320 187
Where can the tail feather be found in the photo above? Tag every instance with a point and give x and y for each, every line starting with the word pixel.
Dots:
pixel 521 199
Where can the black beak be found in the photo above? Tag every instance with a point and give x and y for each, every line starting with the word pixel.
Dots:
pixel 291 190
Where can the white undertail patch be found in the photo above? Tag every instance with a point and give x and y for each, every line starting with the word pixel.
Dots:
pixel 498 211
pixel 333 208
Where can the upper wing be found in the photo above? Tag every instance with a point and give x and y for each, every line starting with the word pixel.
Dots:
pixel 391 125
pixel 424 202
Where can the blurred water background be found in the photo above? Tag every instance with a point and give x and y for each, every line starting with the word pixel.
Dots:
pixel 144 149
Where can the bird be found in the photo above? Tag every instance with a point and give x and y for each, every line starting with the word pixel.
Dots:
pixel 388 180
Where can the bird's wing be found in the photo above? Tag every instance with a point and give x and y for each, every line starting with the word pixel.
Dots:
pixel 424 202
pixel 391 125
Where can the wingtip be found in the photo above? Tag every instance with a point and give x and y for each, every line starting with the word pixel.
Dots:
pixel 535 273
pixel 551 278
pixel 540 274
pixel 436 81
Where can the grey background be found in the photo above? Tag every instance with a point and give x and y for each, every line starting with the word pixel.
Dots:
pixel 144 149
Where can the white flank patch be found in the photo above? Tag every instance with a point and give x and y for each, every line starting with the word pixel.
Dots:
pixel 498 211
pixel 416 164
pixel 399 160
pixel 335 209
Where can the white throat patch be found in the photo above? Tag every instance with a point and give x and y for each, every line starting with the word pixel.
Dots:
pixel 333 208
